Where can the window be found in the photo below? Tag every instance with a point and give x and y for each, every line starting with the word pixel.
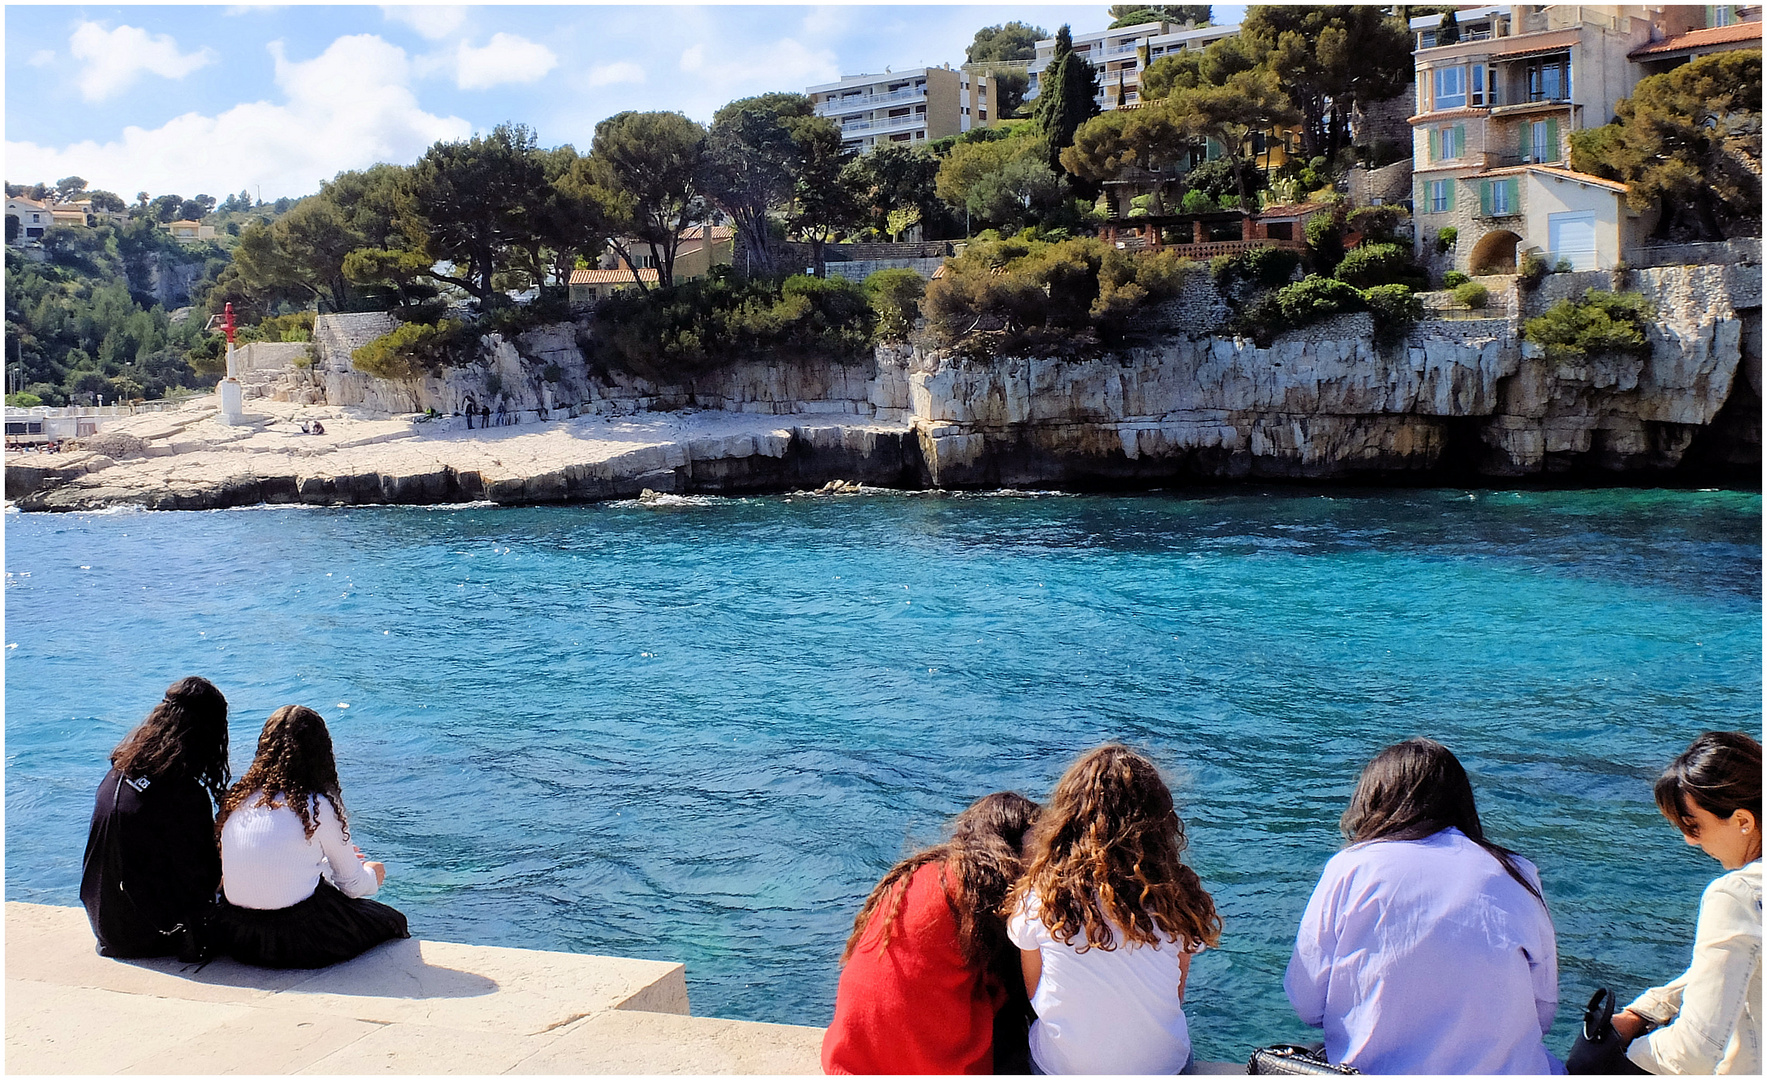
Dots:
pixel 1451 88
pixel 1481 89
pixel 1441 198
pixel 1500 198
pixel 1426 40
pixel 1549 79
pixel 1539 140
pixel 1719 15
pixel 1453 142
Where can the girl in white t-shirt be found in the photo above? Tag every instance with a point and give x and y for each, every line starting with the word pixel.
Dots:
pixel 1106 919
pixel 295 889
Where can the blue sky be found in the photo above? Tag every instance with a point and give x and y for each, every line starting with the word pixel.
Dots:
pixel 214 100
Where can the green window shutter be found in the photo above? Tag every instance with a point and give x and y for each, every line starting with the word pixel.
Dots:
pixel 1435 145
pixel 1460 140
pixel 1485 198
pixel 1552 140
pixel 1451 186
pixel 1515 194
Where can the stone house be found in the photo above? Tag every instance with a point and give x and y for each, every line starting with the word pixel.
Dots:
pixel 189 232
pixel 1495 111
pixel 702 247
pixel 588 286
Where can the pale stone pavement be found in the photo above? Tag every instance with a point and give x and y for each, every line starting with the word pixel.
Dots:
pixel 404 1007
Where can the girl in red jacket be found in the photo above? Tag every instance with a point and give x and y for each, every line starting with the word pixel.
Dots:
pixel 929 975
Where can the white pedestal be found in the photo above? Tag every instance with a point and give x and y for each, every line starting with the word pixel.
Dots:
pixel 232 402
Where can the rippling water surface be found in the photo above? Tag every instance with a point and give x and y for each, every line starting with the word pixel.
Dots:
pixel 700 731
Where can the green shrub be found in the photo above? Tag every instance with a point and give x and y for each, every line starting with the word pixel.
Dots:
pixel 1395 308
pixel 1376 223
pixel 1266 266
pixel 1445 238
pixel 1563 266
pixel 1596 323
pixel 1471 294
pixel 24 399
pixel 1313 298
pixel 1453 279
pixel 410 351
pixel 1531 270
pixel 1196 202
pixel 1368 265
pixel 1062 296
pixel 295 326
pixel 895 299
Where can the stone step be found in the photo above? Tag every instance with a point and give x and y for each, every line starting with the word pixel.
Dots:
pixel 404 1007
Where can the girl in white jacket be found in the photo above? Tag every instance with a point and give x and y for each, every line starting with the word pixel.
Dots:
pixel 1709 1020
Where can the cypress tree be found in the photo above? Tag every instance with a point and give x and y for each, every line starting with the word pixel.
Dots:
pixel 1068 98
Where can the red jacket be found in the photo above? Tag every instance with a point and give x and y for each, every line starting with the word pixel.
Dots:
pixel 914 1007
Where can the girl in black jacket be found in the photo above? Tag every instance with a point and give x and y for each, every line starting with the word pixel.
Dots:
pixel 152 865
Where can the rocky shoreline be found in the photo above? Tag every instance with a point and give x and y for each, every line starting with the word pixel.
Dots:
pixel 1459 401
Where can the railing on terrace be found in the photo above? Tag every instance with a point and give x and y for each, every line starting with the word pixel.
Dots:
pixel 867 101
pixel 91 411
pixel 887 124
pixel 1209 248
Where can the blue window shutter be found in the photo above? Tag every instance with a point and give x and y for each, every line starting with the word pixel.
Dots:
pixel 1485 198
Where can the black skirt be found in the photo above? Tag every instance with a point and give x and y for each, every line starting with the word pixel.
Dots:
pixel 325 928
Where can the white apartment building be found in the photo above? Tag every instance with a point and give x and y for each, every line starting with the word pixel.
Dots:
pixel 1121 55
pixel 905 107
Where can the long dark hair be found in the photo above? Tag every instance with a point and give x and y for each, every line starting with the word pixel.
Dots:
pixel 184 736
pixel 293 762
pixel 1720 773
pixel 979 864
pixel 1106 850
pixel 1416 789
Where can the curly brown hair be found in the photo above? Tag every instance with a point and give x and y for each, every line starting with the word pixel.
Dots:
pixel 294 763
pixel 1104 858
pixel 978 866
pixel 184 736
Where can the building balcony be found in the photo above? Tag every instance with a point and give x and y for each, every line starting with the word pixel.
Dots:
pixel 890 123
pixel 869 101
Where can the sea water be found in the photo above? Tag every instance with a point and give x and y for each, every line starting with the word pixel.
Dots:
pixel 701 729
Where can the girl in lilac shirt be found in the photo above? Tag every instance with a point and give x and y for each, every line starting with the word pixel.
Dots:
pixel 1426 948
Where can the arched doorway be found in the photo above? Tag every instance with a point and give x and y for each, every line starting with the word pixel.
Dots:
pixel 1494 253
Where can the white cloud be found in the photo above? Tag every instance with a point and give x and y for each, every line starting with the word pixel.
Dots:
pixel 116 58
pixel 623 72
pixel 506 58
pixel 42 58
pixel 780 65
pixel 433 22
pixel 347 108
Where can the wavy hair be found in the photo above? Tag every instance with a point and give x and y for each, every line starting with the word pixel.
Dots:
pixel 1720 773
pixel 294 763
pixel 185 735
pixel 978 866
pixel 1415 789
pixel 1104 859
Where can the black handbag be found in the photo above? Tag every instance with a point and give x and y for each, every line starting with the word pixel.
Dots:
pixel 1598 1049
pixel 1287 1059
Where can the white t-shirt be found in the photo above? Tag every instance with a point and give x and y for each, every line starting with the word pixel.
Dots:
pixel 269 862
pixel 1100 1011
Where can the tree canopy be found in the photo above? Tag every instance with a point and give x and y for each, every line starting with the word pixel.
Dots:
pixel 653 165
pixel 1329 58
pixel 1690 140
pixel 1009 41
pixel 1182 14
pixel 1068 97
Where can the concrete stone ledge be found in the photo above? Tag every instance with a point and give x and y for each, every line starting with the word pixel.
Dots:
pixel 405 1007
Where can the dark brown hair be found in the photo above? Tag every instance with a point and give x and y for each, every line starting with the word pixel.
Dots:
pixel 1720 773
pixel 1416 789
pixel 294 763
pixel 184 736
pixel 978 866
pixel 1106 851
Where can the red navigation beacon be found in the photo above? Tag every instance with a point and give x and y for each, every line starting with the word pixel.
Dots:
pixel 227 322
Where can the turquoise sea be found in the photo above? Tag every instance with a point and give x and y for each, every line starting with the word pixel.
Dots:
pixel 701 730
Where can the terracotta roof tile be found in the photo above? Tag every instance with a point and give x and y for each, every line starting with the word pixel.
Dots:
pixel 622 276
pixel 1694 39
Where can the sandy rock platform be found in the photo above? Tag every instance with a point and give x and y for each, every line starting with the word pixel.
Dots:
pixel 404 1007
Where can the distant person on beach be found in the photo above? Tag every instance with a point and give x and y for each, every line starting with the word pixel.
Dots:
pixel 928 977
pixel 1708 1020
pixel 318 428
pixel 484 416
pixel 151 868
pixel 1107 919
pixel 1426 948
pixel 295 888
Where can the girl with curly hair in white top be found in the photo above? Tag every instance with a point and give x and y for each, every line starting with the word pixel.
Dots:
pixel 295 889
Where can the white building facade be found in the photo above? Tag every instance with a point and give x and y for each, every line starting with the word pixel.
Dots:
pixel 905 107
pixel 1121 55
